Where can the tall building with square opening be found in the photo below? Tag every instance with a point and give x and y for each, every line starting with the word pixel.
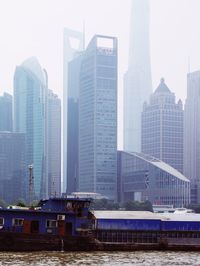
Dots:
pixel 92 118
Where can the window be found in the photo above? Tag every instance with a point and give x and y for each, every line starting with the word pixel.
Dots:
pixel 51 224
pixel 18 222
pixel 1 221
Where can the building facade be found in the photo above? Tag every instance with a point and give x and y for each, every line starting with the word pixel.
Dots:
pixel 73 123
pixel 30 94
pixel 98 117
pixel 192 134
pixel 73 43
pixel 12 166
pixel 143 177
pixel 54 144
pixel 6 121
pixel 162 127
pixel 137 80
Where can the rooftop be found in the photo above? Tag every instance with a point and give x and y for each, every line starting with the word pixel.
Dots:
pixel 32 65
pixel 162 88
pixel 160 164
pixel 145 215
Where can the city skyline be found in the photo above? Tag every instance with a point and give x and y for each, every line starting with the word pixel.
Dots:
pixel 172 40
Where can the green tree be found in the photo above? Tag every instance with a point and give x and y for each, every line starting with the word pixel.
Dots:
pixel 34 203
pixel 3 204
pixel 138 206
pixel 104 204
pixel 20 203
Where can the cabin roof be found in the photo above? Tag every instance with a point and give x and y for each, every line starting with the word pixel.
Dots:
pixel 30 211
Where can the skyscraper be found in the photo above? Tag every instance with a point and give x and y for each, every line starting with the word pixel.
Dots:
pixel 162 127
pixel 73 123
pixel 12 166
pixel 137 80
pixel 73 43
pixel 54 144
pixel 192 134
pixel 6 121
pixel 30 93
pixel 98 117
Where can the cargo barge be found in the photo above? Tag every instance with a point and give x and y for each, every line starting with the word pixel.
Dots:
pixel 57 224
pixel 137 230
pixel 67 224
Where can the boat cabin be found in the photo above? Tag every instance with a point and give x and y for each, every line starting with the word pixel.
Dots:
pixel 56 216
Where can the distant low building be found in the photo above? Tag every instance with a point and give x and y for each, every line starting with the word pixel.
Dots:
pixel 90 195
pixel 142 177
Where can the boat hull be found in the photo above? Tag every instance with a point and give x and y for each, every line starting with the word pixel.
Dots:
pixel 23 242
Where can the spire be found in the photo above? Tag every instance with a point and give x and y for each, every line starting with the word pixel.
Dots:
pixel 162 88
pixel 137 80
pixel 83 35
pixel 139 49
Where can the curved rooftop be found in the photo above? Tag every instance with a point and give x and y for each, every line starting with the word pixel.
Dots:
pixel 160 164
pixel 32 65
pixel 162 88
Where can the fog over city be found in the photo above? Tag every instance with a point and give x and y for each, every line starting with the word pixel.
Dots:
pixel 99 131
pixel 36 28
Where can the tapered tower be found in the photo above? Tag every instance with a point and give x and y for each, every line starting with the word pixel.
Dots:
pixel 137 80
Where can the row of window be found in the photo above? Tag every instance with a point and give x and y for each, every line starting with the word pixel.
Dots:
pixel 20 222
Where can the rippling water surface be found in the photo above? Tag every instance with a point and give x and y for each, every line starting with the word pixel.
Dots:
pixel 100 258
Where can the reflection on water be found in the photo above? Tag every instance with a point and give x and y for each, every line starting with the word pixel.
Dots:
pixel 140 258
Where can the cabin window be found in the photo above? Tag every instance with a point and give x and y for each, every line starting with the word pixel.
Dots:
pixel 51 224
pixel 69 206
pixel 18 222
pixel 1 221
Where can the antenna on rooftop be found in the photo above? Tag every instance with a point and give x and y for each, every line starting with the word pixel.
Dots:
pixel 83 34
pixel 31 182
pixel 188 64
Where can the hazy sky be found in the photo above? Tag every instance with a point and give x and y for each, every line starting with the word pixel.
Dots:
pixel 35 27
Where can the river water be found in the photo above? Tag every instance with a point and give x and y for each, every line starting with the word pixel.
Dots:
pixel 140 258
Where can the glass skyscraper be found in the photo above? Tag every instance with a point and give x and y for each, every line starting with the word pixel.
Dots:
pixel 137 80
pixel 192 134
pixel 6 121
pixel 12 166
pixel 162 127
pixel 98 117
pixel 73 43
pixel 30 92
pixel 73 123
pixel 54 144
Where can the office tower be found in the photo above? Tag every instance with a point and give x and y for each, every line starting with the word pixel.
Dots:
pixel 162 127
pixel 73 123
pixel 12 166
pixel 6 121
pixel 142 177
pixel 73 43
pixel 98 117
pixel 30 93
pixel 54 144
pixel 192 134
pixel 137 80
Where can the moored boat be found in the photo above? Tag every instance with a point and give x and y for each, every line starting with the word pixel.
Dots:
pixel 57 224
